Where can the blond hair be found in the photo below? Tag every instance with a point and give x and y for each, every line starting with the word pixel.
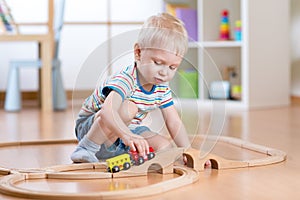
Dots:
pixel 164 31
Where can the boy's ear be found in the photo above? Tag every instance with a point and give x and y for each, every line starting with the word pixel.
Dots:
pixel 137 52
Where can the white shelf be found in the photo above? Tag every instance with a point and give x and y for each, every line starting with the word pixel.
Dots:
pixel 262 69
pixel 222 44
pixel 216 44
pixel 209 104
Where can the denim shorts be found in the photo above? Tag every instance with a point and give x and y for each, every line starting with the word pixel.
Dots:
pixel 83 125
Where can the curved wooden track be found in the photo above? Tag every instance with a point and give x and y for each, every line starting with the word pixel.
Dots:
pixel 198 163
pixel 188 174
pixel 8 185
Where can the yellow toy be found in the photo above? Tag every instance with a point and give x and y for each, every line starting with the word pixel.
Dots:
pixel 117 163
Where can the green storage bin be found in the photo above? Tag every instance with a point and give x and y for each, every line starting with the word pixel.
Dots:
pixel 188 84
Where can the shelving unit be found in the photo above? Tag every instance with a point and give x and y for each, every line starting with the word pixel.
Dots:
pixel 253 56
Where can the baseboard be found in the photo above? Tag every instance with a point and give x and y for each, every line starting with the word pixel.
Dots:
pixel 78 94
pixel 34 95
pixel 295 100
pixel 82 94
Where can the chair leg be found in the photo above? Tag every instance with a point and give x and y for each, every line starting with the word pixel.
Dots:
pixel 13 93
pixel 59 94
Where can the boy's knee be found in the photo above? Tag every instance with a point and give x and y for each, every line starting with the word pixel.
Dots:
pixel 164 144
pixel 128 111
pixel 158 142
pixel 98 120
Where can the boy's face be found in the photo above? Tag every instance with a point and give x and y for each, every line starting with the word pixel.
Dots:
pixel 156 66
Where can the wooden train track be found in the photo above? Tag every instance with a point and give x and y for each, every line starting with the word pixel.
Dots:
pixel 188 174
pixel 8 185
pixel 272 155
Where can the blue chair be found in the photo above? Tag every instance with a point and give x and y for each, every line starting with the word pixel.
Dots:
pixel 13 93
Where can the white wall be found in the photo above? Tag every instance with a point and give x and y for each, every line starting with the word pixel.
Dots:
pixel 269 53
pixel 78 42
pixel 295 47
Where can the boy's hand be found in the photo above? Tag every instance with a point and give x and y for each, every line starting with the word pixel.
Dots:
pixel 136 143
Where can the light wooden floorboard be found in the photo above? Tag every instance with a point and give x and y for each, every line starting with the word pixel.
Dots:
pixel 277 128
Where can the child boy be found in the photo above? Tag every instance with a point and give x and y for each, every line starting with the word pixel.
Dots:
pixel 111 119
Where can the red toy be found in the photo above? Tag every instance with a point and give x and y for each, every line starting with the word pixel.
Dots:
pixel 138 160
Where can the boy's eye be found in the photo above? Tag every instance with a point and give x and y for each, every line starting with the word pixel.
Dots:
pixel 172 67
pixel 157 62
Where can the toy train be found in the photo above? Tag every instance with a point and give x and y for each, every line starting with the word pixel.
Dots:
pixel 126 160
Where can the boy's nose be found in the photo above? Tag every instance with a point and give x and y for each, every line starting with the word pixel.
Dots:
pixel 163 71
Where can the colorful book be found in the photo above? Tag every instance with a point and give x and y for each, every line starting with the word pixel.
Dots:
pixel 171 7
pixel 189 17
pixel 7 24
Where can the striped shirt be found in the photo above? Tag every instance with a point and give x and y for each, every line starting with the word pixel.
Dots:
pixel 126 83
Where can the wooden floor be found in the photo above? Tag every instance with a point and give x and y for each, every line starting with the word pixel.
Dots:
pixel 278 128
